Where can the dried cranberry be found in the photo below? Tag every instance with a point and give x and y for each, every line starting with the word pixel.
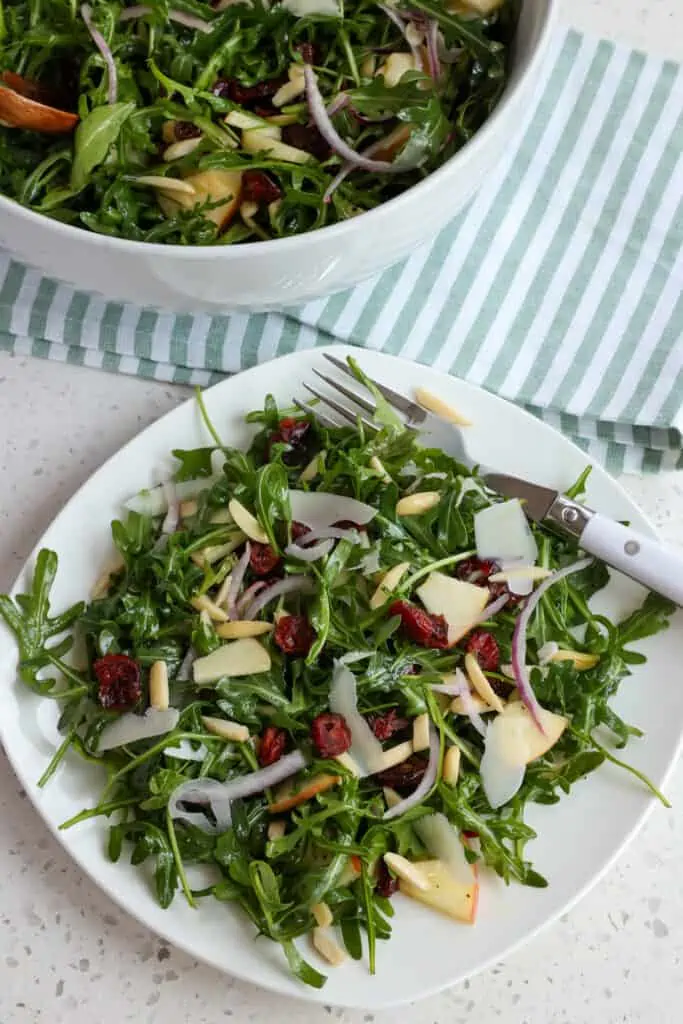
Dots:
pixel 185 130
pixel 294 634
pixel 294 433
pixel 477 570
pixel 421 627
pixel 484 646
pixel 348 524
pixel 404 776
pixel 246 95
pixel 299 530
pixel 310 53
pixel 384 726
pixel 386 885
pixel 263 559
pixel 467 834
pixel 257 187
pixel 308 138
pixel 330 734
pixel 272 745
pixel 118 678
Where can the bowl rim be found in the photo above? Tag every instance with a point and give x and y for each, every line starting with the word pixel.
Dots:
pixel 331 232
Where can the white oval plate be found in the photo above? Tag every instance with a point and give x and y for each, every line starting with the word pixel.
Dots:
pixel 578 839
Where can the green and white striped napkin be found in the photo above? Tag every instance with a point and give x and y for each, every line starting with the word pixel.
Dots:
pixel 560 287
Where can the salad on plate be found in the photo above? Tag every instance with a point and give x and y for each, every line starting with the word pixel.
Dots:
pixel 328 669
pixel 195 123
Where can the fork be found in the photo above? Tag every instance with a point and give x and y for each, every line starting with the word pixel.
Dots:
pixel 435 431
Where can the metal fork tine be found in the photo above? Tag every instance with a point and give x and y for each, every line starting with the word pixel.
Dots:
pixel 415 413
pixel 336 386
pixel 345 413
pixel 316 414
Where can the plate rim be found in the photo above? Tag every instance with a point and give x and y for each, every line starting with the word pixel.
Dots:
pixel 269 983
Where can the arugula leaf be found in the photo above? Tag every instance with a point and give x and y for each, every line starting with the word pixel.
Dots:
pixel 93 139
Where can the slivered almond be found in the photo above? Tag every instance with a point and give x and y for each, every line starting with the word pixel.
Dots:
pixel 328 947
pixel 226 729
pixel 395 755
pixel 224 589
pixel 389 582
pixel 215 552
pixel 406 871
pixel 236 630
pixel 311 471
pixel 248 210
pixel 391 796
pixel 526 572
pixel 295 87
pixel 101 585
pixel 379 468
pixel 158 686
pixel 346 761
pixel 205 604
pixel 319 784
pixel 220 516
pixel 421 733
pixel 276 829
pixel 582 661
pixel 451 766
pixel 439 407
pixel 171 186
pixel 480 683
pixel 322 914
pixel 177 150
pixel 416 504
pixel 188 508
pixel 247 522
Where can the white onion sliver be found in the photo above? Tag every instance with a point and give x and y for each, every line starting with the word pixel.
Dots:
pixel 310 554
pixel 172 517
pixel 248 596
pixel 290 585
pixel 365 748
pixel 519 667
pixel 403 28
pixel 218 796
pixel 433 49
pixel 103 46
pixel 491 609
pixel 236 581
pixel 499 777
pixel 428 779
pixel 131 727
pixel 320 509
pixel 218 459
pixel 316 105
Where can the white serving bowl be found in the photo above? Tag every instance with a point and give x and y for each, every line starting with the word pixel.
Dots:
pixel 267 275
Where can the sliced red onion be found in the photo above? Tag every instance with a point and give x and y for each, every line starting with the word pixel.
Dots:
pixel 218 796
pixel 103 46
pixel 433 49
pixel 188 20
pixel 365 749
pixel 290 585
pixel 428 779
pixel 172 517
pixel 131 727
pixel 309 554
pixel 249 595
pixel 236 581
pixel 185 670
pixel 491 609
pixel 519 667
pixel 316 106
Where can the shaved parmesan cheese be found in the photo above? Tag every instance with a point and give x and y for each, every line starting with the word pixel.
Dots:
pixel 512 741
pixel 444 843
pixel 366 749
pixel 155 501
pixel 502 533
pixel 525 572
pixel 131 727
pixel 318 509
pixel 240 658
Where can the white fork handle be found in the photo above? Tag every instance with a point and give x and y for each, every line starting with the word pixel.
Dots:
pixel 656 566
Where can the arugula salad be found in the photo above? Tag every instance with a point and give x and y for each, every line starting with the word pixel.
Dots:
pixel 325 669
pixel 200 122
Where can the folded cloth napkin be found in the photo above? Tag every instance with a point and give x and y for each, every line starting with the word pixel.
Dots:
pixel 560 287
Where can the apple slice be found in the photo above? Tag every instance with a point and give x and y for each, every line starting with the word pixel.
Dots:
pixel 20 107
pixel 460 603
pixel 216 186
pixel 444 892
pixel 244 657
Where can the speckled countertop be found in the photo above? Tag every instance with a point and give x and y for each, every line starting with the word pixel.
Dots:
pixel 68 954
